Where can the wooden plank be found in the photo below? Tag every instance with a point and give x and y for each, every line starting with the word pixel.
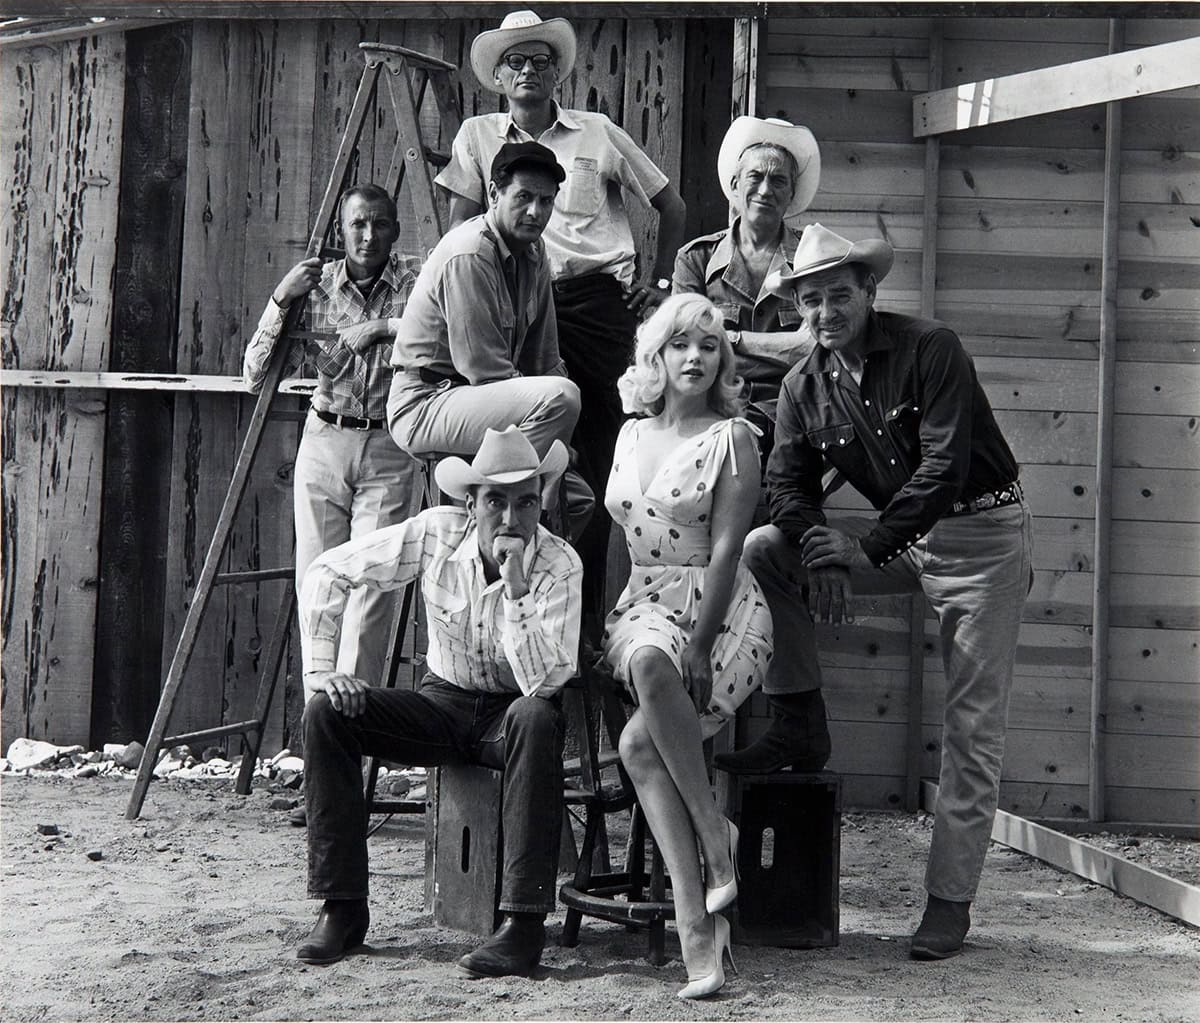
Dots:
pixel 31 81
pixel 1154 804
pixel 599 79
pixel 137 456
pixel 1155 655
pixel 1166 894
pixel 55 670
pixel 1158 388
pixel 1154 709
pixel 707 85
pixel 653 113
pixel 210 341
pixel 823 70
pixel 1062 87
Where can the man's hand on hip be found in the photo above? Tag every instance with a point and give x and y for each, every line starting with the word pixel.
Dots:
pixel 347 693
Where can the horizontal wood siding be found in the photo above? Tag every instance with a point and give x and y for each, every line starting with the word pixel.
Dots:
pixel 1018 244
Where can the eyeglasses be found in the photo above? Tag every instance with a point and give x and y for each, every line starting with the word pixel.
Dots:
pixel 517 61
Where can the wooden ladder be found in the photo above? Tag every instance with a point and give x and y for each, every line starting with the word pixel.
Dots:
pixel 408 75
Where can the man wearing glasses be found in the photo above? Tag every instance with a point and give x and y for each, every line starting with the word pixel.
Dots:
pixel 598 293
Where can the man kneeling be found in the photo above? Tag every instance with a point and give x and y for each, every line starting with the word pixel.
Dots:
pixel 502 596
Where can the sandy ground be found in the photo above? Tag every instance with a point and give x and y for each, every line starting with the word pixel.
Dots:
pixel 193 913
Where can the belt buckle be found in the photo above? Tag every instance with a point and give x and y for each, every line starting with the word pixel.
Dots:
pixel 362 425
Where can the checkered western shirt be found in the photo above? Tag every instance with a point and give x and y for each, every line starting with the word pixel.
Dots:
pixel 347 384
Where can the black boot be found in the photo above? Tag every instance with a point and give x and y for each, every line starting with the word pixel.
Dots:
pixel 513 951
pixel 341 926
pixel 943 929
pixel 798 737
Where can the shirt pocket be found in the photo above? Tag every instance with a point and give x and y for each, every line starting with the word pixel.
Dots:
pixel 832 438
pixel 584 190
pixel 446 606
pixel 731 313
pixel 789 316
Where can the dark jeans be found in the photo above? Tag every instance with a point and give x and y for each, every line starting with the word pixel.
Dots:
pixel 595 337
pixel 438 724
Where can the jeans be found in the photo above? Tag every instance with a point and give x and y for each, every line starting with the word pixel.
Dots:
pixel 976 571
pixel 440 723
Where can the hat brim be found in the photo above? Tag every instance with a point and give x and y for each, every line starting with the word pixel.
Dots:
pixel 455 476
pixel 488 47
pixel 796 139
pixel 876 254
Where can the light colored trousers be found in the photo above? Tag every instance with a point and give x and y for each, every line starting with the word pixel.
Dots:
pixel 349 483
pixel 976 571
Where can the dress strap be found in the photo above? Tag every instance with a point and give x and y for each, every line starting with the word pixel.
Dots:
pixel 725 438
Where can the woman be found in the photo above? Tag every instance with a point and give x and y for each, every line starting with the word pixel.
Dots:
pixel 690 637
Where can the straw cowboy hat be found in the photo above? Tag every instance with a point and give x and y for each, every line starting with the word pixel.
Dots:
pixel 821 249
pixel 516 28
pixel 796 139
pixel 504 457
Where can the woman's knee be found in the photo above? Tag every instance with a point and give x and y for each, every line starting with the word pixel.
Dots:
pixel 635 746
pixel 650 669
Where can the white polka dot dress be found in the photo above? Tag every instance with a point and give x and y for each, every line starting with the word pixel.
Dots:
pixel 668 531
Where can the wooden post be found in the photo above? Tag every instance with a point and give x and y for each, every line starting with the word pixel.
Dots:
pixel 707 80
pixel 916 612
pixel 1101 556
pixel 746 46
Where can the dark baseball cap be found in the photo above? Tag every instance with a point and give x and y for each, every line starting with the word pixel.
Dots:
pixel 532 155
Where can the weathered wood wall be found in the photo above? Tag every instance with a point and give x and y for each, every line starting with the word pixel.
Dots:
pixel 235 125
pixel 1018 239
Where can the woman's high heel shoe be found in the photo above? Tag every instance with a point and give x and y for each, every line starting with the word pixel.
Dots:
pixel 702 987
pixel 716 899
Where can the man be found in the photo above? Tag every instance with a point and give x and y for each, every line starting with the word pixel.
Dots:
pixel 598 295
pixel 350 477
pixel 502 597
pixel 893 403
pixel 769 170
pixel 477 347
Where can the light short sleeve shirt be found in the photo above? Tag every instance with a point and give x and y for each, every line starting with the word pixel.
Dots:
pixel 589 231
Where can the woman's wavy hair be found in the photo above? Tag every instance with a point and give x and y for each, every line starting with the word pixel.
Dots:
pixel 643 383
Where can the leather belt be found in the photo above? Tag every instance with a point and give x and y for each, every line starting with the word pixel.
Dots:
pixel 350 422
pixel 1010 494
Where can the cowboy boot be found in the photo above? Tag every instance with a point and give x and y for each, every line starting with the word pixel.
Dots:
pixel 798 737
pixel 942 931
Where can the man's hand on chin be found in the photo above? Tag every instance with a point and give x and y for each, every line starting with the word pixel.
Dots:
pixel 347 693
pixel 509 552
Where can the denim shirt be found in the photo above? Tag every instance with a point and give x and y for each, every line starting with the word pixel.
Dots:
pixel 915 436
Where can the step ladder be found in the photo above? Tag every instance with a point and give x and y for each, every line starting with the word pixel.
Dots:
pixel 408 75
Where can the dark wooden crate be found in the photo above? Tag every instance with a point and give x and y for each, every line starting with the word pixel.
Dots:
pixel 463 850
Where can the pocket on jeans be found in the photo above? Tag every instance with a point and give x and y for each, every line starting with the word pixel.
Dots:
pixel 1010 516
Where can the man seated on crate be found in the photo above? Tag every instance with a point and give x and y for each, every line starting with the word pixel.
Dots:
pixel 477 346
pixel 350 477
pixel 893 403
pixel 502 596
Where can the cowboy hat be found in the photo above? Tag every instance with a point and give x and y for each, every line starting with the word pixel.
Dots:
pixel 516 28
pixel 794 138
pixel 820 249
pixel 504 457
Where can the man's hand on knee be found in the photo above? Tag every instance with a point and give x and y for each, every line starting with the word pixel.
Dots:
pixel 347 694
pixel 829 595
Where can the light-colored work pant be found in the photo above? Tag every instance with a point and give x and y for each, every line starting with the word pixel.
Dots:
pixel 349 483
pixel 976 571
pixel 453 420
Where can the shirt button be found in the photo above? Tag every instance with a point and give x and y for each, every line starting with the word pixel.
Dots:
pixel 880 432
pixel 893 461
pixel 835 374
pixel 868 401
pixel 841 440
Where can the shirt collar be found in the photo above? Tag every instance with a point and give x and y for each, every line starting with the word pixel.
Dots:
pixel 341 279
pixel 722 254
pixel 820 359
pixel 533 253
pixel 563 117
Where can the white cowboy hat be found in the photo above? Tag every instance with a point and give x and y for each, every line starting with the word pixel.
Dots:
pixel 516 28
pixel 795 138
pixel 503 458
pixel 821 249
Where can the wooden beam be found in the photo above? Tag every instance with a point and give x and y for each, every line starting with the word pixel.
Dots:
pixel 1105 387
pixel 16 36
pixel 1168 895
pixel 194 382
pixel 747 51
pixel 1082 83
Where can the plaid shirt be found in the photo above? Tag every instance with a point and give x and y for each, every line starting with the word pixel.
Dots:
pixel 478 638
pixel 347 384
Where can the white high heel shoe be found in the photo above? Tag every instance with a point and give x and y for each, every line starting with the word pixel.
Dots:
pixel 702 987
pixel 716 899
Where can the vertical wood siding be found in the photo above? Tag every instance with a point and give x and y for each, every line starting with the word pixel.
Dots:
pixel 1018 243
pixel 62 113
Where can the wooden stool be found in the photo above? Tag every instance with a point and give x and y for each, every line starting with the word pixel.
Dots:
pixel 463 851
pixel 789 851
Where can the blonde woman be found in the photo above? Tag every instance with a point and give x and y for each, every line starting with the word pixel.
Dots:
pixel 690 637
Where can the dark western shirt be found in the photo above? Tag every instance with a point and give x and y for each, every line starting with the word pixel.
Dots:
pixel 917 435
